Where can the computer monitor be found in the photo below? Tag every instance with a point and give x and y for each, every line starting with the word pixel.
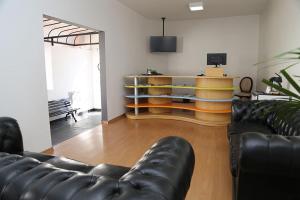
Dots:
pixel 216 59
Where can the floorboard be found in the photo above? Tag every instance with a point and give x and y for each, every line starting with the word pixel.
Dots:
pixel 124 141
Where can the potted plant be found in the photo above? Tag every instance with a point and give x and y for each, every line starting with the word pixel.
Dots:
pixel 286 109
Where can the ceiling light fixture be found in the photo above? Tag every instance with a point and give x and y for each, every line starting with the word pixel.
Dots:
pixel 196 6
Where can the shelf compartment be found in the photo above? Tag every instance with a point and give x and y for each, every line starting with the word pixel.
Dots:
pixel 180 97
pixel 181 87
pixel 186 117
pixel 177 106
pixel 184 77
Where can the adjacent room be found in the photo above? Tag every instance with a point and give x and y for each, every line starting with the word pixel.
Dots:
pixel 150 99
pixel 72 61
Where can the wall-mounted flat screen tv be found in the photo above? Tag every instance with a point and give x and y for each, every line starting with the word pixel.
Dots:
pixel 163 43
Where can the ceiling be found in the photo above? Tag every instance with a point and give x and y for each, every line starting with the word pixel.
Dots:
pixel 178 9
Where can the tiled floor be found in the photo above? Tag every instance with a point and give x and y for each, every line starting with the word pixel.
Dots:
pixel 62 130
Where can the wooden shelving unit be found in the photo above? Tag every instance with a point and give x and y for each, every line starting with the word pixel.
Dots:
pixel 178 87
pixel 210 102
pixel 183 106
pixel 178 97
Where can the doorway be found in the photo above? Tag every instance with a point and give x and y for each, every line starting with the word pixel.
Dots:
pixel 75 73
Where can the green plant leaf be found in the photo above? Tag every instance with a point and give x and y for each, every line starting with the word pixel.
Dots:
pixel 287 110
pixel 291 80
pixel 288 53
pixel 281 89
pixel 291 65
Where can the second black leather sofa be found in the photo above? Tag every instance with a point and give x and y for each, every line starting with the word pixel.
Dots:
pixel 264 152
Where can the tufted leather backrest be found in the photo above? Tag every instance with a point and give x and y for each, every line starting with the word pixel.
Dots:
pixel 251 110
pixel 262 112
pixel 163 173
pixel 289 127
pixel 10 136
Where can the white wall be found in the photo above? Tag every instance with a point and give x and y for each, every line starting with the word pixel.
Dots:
pixel 236 36
pixel 72 75
pixel 22 70
pixel 279 32
pixel 96 78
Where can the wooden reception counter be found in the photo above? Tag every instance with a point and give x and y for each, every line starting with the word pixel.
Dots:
pixel 208 101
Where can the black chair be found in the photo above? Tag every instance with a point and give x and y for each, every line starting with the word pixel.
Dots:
pixel 246 86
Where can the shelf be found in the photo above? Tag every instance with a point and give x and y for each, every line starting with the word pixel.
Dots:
pixel 175 116
pixel 180 87
pixel 170 76
pixel 182 106
pixel 179 97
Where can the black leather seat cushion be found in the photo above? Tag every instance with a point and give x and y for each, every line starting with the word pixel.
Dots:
pixel 40 157
pixel 65 163
pixel 112 171
pixel 107 170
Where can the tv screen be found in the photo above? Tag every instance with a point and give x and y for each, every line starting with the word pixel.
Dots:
pixel 216 59
pixel 163 43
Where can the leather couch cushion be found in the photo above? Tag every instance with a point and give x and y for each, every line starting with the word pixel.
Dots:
pixel 112 171
pixel 65 163
pixel 38 156
pixel 115 172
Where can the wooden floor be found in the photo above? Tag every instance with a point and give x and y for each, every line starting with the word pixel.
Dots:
pixel 124 141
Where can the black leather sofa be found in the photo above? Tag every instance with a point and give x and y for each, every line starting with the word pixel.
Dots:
pixel 163 173
pixel 264 152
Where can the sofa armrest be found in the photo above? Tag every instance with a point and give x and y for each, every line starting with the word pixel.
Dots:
pixel 10 136
pixel 269 154
pixel 238 110
pixel 166 169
